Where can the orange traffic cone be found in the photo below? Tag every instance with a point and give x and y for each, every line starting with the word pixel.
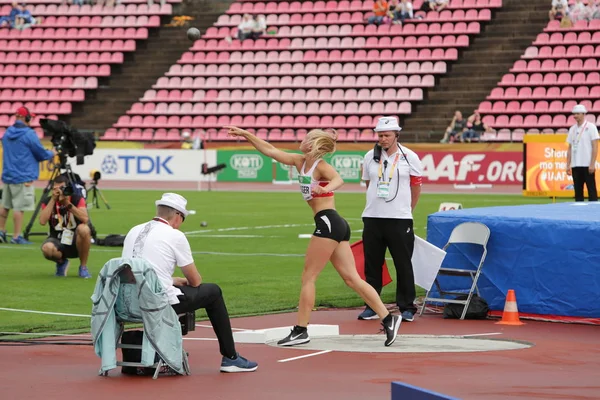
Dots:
pixel 510 316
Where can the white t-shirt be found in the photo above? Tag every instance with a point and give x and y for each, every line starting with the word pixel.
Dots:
pixel 398 203
pixel 580 138
pixel 164 247
pixel 564 3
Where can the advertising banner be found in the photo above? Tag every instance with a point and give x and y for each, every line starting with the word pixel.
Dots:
pixel 481 167
pixel 244 166
pixel 146 165
pixel 439 167
pixel 546 167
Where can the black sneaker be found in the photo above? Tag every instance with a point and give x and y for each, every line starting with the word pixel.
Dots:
pixel 391 329
pixel 297 336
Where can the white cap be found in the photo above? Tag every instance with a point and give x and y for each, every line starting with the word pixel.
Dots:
pixel 174 201
pixel 185 134
pixel 387 124
pixel 579 108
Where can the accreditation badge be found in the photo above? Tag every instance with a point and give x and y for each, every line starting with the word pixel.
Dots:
pixel 383 189
pixel 67 237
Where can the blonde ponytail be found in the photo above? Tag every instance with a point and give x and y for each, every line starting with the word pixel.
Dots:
pixel 320 143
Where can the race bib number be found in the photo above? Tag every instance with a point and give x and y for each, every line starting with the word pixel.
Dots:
pixel 383 189
pixel 67 237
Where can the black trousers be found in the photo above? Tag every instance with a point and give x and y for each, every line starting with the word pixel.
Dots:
pixel 581 176
pixel 398 236
pixel 209 297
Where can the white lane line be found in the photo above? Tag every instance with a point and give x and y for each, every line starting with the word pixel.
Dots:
pixel 217 253
pixel 482 334
pixel 211 253
pixel 231 236
pixel 210 326
pixel 44 312
pixel 245 228
pixel 305 356
pixel 87 335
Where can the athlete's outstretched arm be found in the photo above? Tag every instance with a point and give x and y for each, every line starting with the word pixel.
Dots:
pixel 265 147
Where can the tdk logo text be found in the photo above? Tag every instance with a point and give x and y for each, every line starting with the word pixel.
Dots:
pixel 137 165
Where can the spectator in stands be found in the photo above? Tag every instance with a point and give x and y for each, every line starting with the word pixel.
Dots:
pixel 404 10
pixel 9 20
pixel 260 26
pixel 24 19
pixel 595 10
pixel 434 5
pixel 582 154
pixel 558 10
pixel 579 11
pixel 245 27
pixel 456 129
pixel 21 157
pixel 475 127
pixel 380 9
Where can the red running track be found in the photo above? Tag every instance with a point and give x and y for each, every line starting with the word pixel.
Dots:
pixel 563 364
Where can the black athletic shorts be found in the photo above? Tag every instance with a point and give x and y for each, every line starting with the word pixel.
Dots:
pixel 67 251
pixel 331 225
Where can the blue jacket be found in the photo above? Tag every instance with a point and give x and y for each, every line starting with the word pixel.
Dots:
pixel 22 152
pixel 143 301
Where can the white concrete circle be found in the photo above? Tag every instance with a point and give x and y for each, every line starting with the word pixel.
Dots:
pixel 409 344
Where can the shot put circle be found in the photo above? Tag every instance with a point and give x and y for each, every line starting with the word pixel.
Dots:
pixel 409 344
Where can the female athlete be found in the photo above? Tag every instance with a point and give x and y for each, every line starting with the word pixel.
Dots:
pixel 330 240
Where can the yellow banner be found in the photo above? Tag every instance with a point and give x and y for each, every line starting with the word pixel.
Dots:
pixel 546 167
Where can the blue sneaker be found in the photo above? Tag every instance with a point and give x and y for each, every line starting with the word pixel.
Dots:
pixel 3 237
pixel 368 314
pixel 408 316
pixel 20 240
pixel 84 273
pixel 239 364
pixel 62 267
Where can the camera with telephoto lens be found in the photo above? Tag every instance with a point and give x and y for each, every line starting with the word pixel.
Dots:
pixel 67 190
pixel 68 141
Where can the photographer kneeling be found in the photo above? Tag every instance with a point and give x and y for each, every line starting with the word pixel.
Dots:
pixel 70 235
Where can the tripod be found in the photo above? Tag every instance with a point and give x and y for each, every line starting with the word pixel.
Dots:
pixel 95 193
pixel 62 165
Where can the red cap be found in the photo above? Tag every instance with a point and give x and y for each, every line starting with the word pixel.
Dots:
pixel 23 112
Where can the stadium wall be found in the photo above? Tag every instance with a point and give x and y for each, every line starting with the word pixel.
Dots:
pixel 469 164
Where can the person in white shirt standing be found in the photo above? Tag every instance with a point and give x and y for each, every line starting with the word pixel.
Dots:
pixel 581 156
pixel 161 243
pixel 392 174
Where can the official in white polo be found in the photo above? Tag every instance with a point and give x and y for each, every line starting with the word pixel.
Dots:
pixel 392 173
pixel 581 156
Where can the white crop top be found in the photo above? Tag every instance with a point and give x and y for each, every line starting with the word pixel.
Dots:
pixel 307 183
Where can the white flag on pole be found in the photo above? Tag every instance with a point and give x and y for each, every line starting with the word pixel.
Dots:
pixel 426 261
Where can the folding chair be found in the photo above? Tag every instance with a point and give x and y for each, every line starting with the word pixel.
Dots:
pixel 187 321
pixel 470 233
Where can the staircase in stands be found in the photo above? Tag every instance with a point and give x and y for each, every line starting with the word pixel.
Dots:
pixel 479 68
pixel 152 58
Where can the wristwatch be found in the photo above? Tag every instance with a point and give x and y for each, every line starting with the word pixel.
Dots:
pixel 69 206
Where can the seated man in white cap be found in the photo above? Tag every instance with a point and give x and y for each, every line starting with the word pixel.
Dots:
pixel 392 173
pixel 581 156
pixel 160 242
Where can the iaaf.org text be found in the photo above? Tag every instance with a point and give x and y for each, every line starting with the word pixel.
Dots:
pixel 502 167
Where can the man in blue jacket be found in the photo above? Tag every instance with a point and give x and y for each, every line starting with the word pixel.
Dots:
pixel 22 153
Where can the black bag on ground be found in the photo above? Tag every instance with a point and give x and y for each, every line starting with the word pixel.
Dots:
pixel 111 240
pixel 478 308
pixel 135 355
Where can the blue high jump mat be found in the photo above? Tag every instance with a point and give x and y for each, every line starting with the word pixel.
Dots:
pixel 549 254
